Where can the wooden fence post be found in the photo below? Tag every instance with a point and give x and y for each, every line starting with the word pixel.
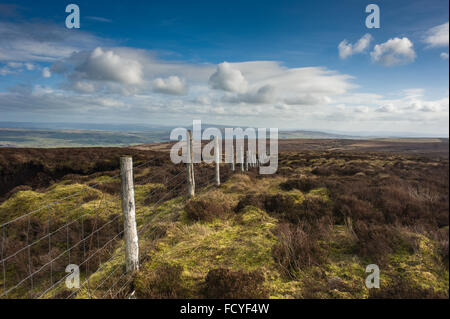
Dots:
pixel 246 161
pixel 129 214
pixel 190 165
pixel 217 157
pixel 232 157
pixel 242 158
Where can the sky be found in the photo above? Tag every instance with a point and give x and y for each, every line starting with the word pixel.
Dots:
pixel 311 65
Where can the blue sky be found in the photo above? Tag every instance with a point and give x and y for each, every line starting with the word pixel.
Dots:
pixel 266 63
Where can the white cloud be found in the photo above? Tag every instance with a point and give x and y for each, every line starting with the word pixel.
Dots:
pixel 5 71
pixel 347 49
pixel 387 108
pixel 29 66
pixel 229 79
pixel 204 100
pixel 100 19
pixel 308 99
pixel 109 102
pixel 83 87
pixel 394 52
pixel 46 72
pixel 110 83
pixel 171 85
pixel 438 36
pixel 444 55
pixel 16 67
pixel 107 65
pixel 262 95
pixel 41 42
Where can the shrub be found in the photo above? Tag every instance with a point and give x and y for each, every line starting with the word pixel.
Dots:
pixel 350 206
pixel 315 211
pixel 112 188
pixel 376 241
pixel 287 207
pixel 279 204
pixel 212 205
pixel 155 193
pixel 304 184
pixel 163 282
pixel 297 249
pixel 90 197
pixel 443 239
pixel 227 284
pixel 401 288
pixel 250 200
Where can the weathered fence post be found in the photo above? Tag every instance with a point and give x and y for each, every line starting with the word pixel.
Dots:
pixel 129 214
pixel 232 157
pixel 217 157
pixel 242 158
pixel 246 161
pixel 190 165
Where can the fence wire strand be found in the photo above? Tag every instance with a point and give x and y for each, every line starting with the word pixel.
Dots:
pixel 171 185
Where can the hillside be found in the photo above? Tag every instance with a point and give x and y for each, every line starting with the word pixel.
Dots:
pixel 308 231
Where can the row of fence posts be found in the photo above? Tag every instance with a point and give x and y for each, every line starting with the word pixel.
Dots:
pixel 127 193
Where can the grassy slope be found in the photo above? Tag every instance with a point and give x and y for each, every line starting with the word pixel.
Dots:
pixel 241 241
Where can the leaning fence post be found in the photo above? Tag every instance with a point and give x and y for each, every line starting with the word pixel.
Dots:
pixel 190 165
pixel 217 156
pixel 129 214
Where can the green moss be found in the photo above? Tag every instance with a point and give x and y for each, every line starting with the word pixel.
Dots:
pixel 321 192
pixel 72 201
pixel 422 268
pixel 241 244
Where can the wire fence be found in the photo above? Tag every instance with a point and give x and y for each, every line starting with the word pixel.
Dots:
pixel 85 228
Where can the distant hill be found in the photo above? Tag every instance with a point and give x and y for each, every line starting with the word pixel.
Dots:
pixel 27 134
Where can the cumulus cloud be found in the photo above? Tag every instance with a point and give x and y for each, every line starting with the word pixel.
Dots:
pixel 262 95
pixel 46 72
pixel 16 67
pixel 394 52
pixel 387 108
pixel 171 85
pixel 347 49
pixel 108 83
pixel 107 65
pixel 229 79
pixel 438 36
pixel 83 87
